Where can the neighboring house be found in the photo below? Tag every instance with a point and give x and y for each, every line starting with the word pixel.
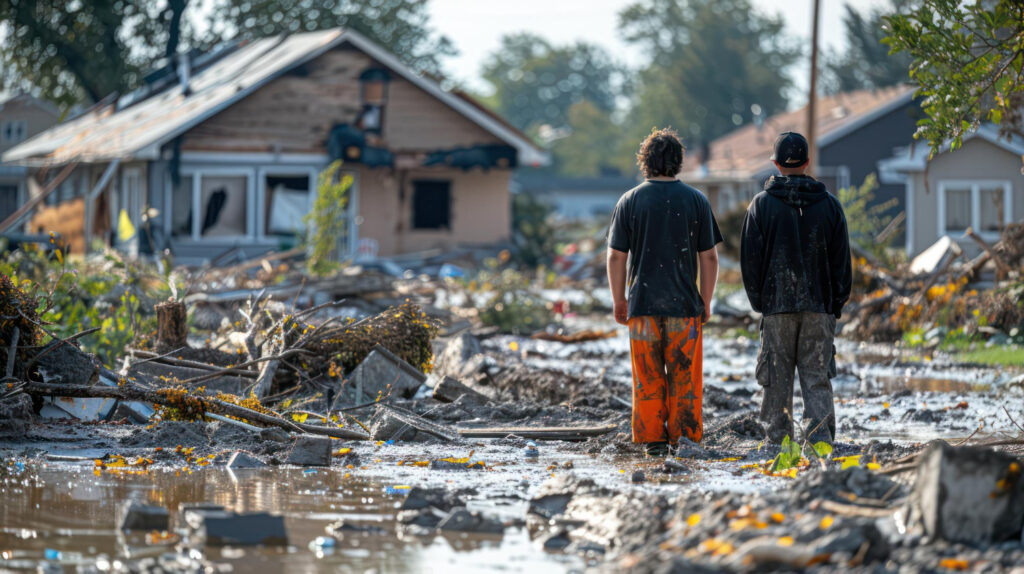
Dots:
pixel 223 153
pixel 575 198
pixel 980 186
pixel 855 130
pixel 21 117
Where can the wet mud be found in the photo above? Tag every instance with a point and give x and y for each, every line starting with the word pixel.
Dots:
pixel 62 481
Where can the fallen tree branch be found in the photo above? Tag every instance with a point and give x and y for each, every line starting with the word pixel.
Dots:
pixel 538 433
pixel 854 510
pixel 130 393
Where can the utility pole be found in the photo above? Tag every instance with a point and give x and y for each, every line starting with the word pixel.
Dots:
pixel 812 135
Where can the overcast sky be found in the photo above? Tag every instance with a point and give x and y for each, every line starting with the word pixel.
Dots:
pixel 475 26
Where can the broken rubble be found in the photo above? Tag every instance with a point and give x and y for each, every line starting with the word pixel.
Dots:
pixel 310 450
pixel 223 528
pixel 143 517
pixel 967 494
pixel 381 375
pixel 393 423
pixel 244 460
pixel 463 520
pixel 449 390
pixel 439 498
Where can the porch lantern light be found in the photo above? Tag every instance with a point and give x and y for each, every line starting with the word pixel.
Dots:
pixel 373 88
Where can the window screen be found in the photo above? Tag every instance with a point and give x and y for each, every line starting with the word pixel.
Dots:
pixel 286 203
pixel 992 209
pixel 958 209
pixel 431 204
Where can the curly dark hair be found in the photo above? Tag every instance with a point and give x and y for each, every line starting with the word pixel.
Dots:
pixel 661 154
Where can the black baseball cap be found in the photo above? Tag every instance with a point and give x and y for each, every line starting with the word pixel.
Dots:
pixel 790 149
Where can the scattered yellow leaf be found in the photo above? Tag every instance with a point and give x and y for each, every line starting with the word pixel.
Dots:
pixel 513 346
pixel 778 517
pixel 693 520
pixel 299 417
pixel 954 564
pixel 826 522
pixel 873 466
pixel 885 405
pixel 786 541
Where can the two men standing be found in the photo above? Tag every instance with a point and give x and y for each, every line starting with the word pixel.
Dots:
pixel 795 259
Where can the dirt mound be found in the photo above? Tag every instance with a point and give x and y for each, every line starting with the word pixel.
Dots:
pixel 838 485
pixel 170 434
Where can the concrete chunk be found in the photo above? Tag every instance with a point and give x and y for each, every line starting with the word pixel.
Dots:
pixel 310 450
pixel 222 528
pixel 142 517
pixel 462 520
pixel 381 374
pixel 244 460
pixel 967 494
pixel 393 423
pixel 449 390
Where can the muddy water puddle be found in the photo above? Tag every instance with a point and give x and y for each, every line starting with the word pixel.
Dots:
pixel 61 518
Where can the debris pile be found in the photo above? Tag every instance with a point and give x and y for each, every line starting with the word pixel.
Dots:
pixel 943 293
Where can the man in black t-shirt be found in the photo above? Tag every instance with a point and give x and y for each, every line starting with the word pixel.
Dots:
pixel 662 238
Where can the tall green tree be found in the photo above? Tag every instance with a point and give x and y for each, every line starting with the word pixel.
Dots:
pixel 866 63
pixel 402 26
pixel 593 146
pixel 535 83
pixel 968 61
pixel 74 52
pixel 81 51
pixel 714 65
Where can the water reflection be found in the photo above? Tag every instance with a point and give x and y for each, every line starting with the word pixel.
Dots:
pixel 67 515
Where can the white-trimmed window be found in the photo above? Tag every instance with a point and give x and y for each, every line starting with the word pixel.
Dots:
pixel 213 203
pixel 286 196
pixel 985 206
pixel 13 131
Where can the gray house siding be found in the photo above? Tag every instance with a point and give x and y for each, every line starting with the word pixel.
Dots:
pixel 861 150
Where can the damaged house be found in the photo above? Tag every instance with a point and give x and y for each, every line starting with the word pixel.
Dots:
pixel 220 154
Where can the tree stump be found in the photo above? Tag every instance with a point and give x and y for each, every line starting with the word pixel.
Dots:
pixel 171 325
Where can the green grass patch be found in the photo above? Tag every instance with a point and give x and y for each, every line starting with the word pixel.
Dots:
pixel 999 356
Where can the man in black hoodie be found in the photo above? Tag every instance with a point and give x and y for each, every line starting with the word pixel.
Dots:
pixel 795 257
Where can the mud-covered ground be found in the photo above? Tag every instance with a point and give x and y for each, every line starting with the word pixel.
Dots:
pixel 62 481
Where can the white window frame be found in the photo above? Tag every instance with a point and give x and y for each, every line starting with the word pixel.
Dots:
pixel 975 188
pixel 197 174
pixel 24 131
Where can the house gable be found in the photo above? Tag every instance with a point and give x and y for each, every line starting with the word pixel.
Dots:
pixel 295 112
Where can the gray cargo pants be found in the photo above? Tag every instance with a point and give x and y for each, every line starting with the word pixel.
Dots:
pixel 803 341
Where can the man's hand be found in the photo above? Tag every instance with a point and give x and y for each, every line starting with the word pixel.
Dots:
pixel 621 312
pixel 707 313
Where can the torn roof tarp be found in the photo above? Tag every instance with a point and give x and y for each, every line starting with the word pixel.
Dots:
pixel 140 129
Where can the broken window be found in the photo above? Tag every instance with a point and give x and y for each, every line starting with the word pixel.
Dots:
pixel 958 209
pixel 992 209
pixel 286 202
pixel 223 205
pixel 431 204
pixel 8 200
pixel 181 207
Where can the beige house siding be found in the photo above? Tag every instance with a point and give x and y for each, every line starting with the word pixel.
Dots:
pixel 479 202
pixel 978 160
pixel 295 113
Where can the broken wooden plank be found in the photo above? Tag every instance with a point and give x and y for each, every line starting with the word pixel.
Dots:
pixel 449 390
pixel 538 433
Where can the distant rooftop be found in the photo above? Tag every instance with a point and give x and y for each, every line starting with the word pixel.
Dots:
pixel 745 151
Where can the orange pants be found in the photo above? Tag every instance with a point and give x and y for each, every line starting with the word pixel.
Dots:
pixel 668 378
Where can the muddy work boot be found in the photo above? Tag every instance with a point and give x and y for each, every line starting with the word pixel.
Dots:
pixel 656 449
